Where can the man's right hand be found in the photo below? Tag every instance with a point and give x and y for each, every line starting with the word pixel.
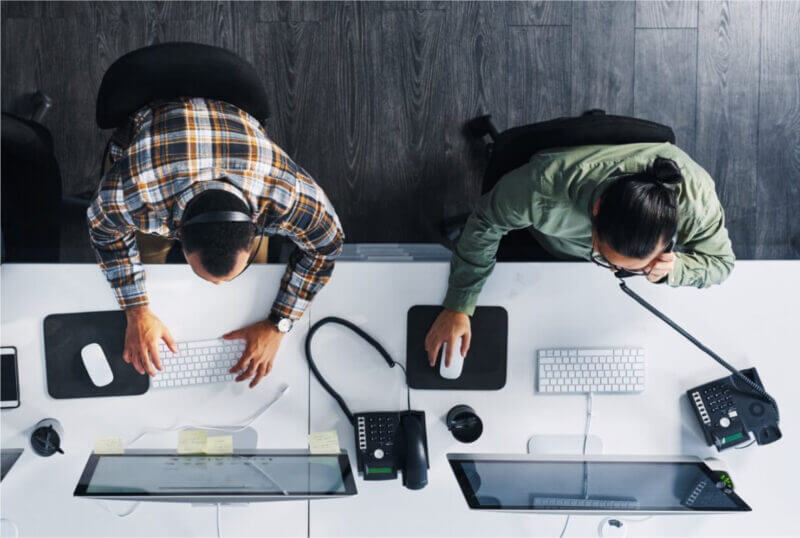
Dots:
pixel 448 327
pixel 142 336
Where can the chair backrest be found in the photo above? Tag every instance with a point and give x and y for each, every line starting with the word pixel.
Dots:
pixel 31 193
pixel 514 147
pixel 173 70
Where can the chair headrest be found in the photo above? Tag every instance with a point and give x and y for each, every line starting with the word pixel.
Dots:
pixel 171 70
pixel 25 139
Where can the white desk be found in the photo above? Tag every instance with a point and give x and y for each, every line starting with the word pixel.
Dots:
pixel 751 319
pixel 37 492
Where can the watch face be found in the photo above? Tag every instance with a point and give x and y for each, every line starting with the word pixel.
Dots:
pixel 285 325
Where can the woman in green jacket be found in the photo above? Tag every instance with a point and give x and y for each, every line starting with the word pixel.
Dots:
pixel 621 206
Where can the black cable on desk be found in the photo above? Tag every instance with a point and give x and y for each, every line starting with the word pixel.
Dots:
pixel 756 388
pixel 370 340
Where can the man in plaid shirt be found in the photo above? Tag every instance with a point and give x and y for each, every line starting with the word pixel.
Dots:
pixel 181 158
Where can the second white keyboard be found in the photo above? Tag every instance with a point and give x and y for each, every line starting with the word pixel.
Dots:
pixel 580 370
pixel 198 363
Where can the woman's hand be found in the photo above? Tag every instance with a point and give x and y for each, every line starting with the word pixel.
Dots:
pixel 661 267
pixel 448 327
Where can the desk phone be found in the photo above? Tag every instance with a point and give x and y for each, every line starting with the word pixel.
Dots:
pixel 381 443
pixel 728 413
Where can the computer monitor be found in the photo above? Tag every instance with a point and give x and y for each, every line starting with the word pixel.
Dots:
pixel 244 476
pixel 593 484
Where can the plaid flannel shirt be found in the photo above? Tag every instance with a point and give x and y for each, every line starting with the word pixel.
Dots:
pixel 171 151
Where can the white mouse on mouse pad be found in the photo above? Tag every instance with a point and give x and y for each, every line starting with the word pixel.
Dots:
pixel 96 364
pixel 456 361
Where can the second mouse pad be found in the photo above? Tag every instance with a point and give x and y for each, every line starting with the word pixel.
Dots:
pixel 486 362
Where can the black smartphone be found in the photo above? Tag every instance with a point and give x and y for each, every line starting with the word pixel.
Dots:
pixel 9 378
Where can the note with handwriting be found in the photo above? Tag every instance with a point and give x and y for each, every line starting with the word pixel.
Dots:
pixel 220 444
pixel 324 442
pixel 109 445
pixel 191 441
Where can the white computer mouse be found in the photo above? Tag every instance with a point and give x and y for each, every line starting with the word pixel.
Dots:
pixel 456 361
pixel 96 364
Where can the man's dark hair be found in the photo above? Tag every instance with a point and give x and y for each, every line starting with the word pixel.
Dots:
pixel 637 210
pixel 217 243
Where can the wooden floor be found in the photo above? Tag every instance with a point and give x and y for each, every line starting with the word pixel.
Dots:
pixel 371 98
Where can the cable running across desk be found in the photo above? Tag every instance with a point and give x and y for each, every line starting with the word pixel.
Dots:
pixel 589 401
pixel 283 389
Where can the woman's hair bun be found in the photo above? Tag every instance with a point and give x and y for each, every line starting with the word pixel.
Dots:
pixel 665 171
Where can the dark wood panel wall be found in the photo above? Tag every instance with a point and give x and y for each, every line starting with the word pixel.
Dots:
pixel 371 97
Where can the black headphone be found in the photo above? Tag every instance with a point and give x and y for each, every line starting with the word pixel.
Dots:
pixel 217 216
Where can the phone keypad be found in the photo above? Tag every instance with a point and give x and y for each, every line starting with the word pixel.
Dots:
pixel 377 431
pixel 718 398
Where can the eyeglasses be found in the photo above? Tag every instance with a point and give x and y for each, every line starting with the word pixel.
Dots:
pixel 600 260
pixel 621 272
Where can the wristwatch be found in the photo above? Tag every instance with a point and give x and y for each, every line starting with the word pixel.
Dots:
pixel 284 325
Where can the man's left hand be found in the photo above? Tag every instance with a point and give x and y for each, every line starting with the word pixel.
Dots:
pixel 661 267
pixel 263 340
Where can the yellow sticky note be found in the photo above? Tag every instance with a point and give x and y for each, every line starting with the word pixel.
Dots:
pixel 191 441
pixel 109 445
pixel 324 442
pixel 221 444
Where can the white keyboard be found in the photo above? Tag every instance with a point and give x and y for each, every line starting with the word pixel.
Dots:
pixel 197 363
pixel 575 370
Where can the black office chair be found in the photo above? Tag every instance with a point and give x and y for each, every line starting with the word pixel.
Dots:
pixel 514 147
pixel 31 190
pixel 173 70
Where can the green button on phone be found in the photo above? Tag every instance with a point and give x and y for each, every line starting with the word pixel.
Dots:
pixel 379 470
pixel 734 437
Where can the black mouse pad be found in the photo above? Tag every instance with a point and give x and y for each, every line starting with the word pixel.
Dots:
pixel 64 337
pixel 486 362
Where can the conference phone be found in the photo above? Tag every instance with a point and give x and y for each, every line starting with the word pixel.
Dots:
pixel 386 441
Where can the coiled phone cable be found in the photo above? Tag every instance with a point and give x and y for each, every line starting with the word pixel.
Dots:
pixel 370 340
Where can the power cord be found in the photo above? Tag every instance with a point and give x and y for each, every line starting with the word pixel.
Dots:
pixel 219 534
pixel 128 512
pixel 14 526
pixel 589 401
pixel 284 388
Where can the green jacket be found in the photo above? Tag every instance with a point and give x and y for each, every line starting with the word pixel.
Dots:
pixel 551 196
